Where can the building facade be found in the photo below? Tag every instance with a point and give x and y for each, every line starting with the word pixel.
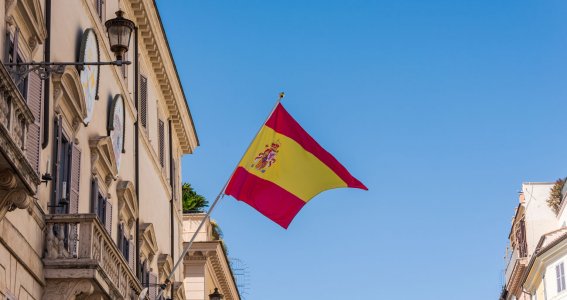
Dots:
pixel 90 155
pixel 537 253
pixel 206 265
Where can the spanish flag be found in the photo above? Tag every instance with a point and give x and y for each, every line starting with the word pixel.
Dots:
pixel 284 168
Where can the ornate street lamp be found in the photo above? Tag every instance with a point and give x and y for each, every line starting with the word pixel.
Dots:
pixel 216 295
pixel 119 32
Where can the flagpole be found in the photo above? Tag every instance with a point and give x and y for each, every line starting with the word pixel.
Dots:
pixel 219 196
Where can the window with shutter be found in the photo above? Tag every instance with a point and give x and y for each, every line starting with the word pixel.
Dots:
pixel 108 221
pixel 57 145
pixel 161 130
pixel 74 180
pixel 144 101
pixel 120 240
pixel 560 274
pixel 174 181
pixel 62 171
pixel 100 9
pixel 152 293
pixel 123 243
pixel 13 55
pixel 35 94
pixel 132 256
pixel 101 208
pixel 94 196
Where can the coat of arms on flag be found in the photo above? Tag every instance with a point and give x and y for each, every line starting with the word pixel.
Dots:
pixel 267 157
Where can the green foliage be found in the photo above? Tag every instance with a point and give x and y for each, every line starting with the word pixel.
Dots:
pixel 192 202
pixel 218 235
pixel 217 232
pixel 554 200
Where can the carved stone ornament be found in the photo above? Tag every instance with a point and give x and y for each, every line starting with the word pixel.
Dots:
pixel 11 196
pixel 127 204
pixel 148 247
pixel 55 243
pixel 68 96
pixel 103 161
pixel 68 289
pixel 10 5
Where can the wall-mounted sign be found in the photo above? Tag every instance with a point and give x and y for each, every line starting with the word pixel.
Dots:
pixel 90 74
pixel 116 126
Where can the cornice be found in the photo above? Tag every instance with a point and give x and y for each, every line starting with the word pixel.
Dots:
pixel 153 38
pixel 214 254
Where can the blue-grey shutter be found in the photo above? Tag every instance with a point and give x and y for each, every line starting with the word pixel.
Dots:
pixel 108 214
pixel 161 132
pixel 132 256
pixel 153 291
pixel 144 101
pixel 57 148
pixel 74 195
pixel 35 94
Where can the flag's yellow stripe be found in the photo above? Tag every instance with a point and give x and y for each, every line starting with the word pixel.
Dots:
pixel 296 170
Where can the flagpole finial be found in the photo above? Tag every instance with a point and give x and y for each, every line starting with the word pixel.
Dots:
pixel 282 94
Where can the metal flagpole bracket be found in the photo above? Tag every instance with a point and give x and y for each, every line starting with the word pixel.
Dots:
pixel 21 70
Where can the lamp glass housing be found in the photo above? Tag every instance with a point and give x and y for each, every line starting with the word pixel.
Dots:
pixel 119 32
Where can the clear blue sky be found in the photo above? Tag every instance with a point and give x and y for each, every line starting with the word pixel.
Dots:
pixel 442 108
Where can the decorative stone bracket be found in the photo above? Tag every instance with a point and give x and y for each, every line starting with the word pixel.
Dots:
pixel 11 196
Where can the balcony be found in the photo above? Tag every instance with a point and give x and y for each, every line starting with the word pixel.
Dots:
pixel 514 269
pixel 16 172
pixel 81 259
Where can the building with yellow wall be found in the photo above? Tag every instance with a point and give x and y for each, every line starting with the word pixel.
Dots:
pixel 90 155
pixel 536 257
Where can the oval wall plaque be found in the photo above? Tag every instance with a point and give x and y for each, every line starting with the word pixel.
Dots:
pixel 89 74
pixel 116 127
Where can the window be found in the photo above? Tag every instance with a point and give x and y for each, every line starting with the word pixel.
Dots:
pixel 34 100
pixel 65 193
pixel 66 171
pixel 14 56
pixel 161 132
pixel 101 206
pixel 144 101
pixel 100 9
pixel 145 274
pixel 30 87
pixel 560 274
pixel 123 243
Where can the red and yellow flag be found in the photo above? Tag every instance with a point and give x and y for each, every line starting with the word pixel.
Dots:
pixel 284 168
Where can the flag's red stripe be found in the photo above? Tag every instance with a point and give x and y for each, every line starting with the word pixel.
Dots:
pixel 282 122
pixel 265 196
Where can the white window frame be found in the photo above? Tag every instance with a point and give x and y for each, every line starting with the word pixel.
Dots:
pixel 560 277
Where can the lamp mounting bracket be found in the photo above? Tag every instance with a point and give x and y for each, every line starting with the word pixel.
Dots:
pixel 20 71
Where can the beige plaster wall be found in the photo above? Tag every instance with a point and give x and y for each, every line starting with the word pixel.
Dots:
pixel 69 20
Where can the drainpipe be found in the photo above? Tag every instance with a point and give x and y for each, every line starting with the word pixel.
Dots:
pixel 137 148
pixel 171 181
pixel 47 58
pixel 171 162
